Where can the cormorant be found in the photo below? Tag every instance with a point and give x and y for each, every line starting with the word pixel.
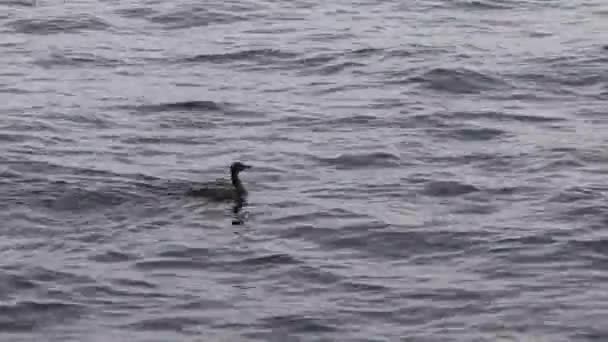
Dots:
pixel 221 190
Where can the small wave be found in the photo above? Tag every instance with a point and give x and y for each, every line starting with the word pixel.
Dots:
pixel 315 61
pixel 10 283
pixel 458 81
pixel 298 324
pixel 24 3
pixel 182 106
pixel 141 284
pixel 193 17
pixel 71 59
pixel 261 55
pixel 349 161
pixel 448 188
pixel 187 252
pixel 168 264
pixel 44 275
pixel 49 26
pixel 111 256
pixel 472 134
pixel 336 68
pixel 136 12
pixel 30 315
pixel 362 287
pixel 501 116
pixel 77 199
pixel 270 260
pixel 171 323
pixel 365 52
pixel 192 106
pixel 484 5
pixel 598 246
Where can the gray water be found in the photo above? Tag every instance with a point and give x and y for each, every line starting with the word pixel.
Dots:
pixel 422 170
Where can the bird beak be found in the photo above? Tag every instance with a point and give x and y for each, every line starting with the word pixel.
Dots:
pixel 247 167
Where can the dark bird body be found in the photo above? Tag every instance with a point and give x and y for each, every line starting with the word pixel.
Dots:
pixel 223 190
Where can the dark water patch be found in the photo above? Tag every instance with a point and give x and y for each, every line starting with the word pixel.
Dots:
pixel 70 59
pixel 362 160
pixel 559 165
pixel 509 243
pixel 187 253
pixel 598 246
pixel 77 199
pixel 136 12
pixel 483 5
pixel 22 3
pixel 425 247
pixel 337 68
pixel 193 17
pixel 26 316
pixel 174 323
pixel 14 90
pixel 170 264
pixel 256 55
pixel 268 261
pixel 135 283
pixel 450 294
pixel 470 134
pixel 311 274
pixel 183 106
pixel 590 213
pixel 448 188
pixel 360 287
pixel 159 141
pixel 48 26
pixel 362 120
pixel 315 61
pixel 107 294
pixel 574 194
pixel 365 52
pixel 298 324
pixel 45 275
pixel 457 81
pixel 414 50
pixel 112 257
pixel 565 79
pixel 487 161
pixel 499 116
pixel 14 283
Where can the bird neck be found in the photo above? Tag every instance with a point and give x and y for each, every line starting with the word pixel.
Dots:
pixel 236 181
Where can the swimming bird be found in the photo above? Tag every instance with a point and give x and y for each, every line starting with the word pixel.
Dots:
pixel 221 190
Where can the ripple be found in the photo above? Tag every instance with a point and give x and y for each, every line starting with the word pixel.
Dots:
pixel 193 16
pixel 111 257
pixel 269 260
pixel 48 26
pixel 500 116
pixel 458 81
pixel 26 316
pixel 168 323
pixel 259 55
pixel 190 106
pixel 448 188
pixel 82 200
pixel 361 160
pixel 14 283
pixel 70 59
pixel 336 68
pixel 169 264
pixel 298 324
pixel 471 134
pixel 484 5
